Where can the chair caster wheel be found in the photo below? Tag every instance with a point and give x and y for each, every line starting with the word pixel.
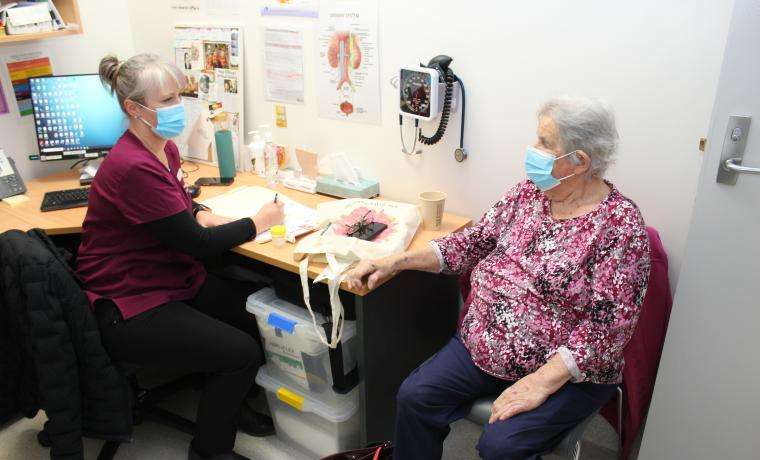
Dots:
pixel 43 438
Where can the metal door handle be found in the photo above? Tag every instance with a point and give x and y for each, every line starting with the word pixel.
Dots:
pixel 731 165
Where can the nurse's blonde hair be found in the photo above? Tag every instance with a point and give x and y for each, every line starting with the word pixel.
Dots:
pixel 139 76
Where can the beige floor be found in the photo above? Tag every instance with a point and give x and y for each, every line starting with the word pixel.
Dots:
pixel 18 441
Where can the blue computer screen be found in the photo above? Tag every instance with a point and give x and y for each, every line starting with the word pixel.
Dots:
pixel 75 117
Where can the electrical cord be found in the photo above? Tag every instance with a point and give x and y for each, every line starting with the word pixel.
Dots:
pixel 185 171
pixel 78 162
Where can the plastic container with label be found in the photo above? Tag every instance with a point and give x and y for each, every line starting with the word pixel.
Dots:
pixel 316 425
pixel 291 345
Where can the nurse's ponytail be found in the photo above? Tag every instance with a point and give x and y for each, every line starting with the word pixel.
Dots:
pixel 109 71
pixel 139 76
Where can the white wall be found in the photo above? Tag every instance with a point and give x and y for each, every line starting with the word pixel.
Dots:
pixel 105 30
pixel 656 62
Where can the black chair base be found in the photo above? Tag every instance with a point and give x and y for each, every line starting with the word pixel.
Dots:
pixel 146 408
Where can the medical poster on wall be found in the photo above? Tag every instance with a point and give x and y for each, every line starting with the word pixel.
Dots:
pixel 21 68
pixel 212 59
pixel 347 62
pixel 283 65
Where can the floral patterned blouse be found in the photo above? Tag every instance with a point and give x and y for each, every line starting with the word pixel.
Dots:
pixel 542 286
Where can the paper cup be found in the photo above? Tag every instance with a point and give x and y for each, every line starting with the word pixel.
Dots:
pixel 431 207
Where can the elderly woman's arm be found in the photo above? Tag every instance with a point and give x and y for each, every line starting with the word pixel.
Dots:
pixel 459 252
pixel 371 273
pixel 595 346
pixel 620 276
pixel 455 253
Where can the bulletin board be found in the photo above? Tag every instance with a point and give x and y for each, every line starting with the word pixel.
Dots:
pixel 211 56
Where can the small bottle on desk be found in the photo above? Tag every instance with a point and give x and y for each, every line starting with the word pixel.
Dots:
pixel 278 235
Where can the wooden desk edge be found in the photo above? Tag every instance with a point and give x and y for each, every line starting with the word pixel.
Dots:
pixel 61 180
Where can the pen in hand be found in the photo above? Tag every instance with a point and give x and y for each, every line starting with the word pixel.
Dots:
pixel 275 197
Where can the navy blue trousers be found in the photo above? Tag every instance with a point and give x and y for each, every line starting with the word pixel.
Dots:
pixel 443 389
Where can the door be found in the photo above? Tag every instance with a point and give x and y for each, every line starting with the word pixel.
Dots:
pixel 706 401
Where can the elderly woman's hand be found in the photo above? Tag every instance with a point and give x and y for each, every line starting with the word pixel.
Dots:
pixel 524 395
pixel 531 391
pixel 370 273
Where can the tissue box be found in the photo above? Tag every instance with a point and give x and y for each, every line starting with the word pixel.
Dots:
pixel 329 185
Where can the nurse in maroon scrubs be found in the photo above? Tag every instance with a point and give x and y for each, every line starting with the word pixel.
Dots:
pixel 142 240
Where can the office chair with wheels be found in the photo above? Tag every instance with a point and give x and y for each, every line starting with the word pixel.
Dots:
pixel 145 407
pixel 82 391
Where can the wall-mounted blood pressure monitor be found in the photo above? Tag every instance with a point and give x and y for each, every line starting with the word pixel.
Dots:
pixel 418 92
pixel 426 92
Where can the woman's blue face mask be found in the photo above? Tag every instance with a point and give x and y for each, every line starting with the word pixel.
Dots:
pixel 171 120
pixel 539 165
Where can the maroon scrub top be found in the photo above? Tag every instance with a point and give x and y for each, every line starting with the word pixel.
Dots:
pixel 119 258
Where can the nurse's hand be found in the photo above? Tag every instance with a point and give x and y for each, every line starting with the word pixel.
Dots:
pixel 270 215
pixel 209 220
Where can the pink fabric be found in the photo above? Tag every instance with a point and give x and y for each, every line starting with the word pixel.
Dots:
pixel 642 354
pixel 543 286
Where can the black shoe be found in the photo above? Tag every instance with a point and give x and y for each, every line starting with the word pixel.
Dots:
pixel 253 423
pixel 193 455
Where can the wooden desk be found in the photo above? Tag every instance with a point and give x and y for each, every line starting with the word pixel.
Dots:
pixel 69 221
pixel 399 324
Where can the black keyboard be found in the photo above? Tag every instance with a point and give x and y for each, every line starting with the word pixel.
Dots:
pixel 65 199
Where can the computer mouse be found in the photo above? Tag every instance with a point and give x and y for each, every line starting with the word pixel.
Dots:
pixel 193 190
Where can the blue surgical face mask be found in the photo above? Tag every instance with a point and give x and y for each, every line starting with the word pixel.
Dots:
pixel 171 120
pixel 539 165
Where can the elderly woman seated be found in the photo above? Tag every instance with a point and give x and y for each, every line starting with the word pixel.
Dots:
pixel 559 269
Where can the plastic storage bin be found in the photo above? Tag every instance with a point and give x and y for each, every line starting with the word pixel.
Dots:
pixel 308 422
pixel 292 346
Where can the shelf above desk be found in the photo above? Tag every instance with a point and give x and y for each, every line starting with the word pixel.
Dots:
pixel 69 10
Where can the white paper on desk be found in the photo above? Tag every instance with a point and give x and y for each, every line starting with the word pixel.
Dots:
pixel 246 201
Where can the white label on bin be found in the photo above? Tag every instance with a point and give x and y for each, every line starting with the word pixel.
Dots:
pixel 286 358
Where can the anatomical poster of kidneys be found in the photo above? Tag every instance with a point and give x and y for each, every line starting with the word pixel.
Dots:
pixel 348 74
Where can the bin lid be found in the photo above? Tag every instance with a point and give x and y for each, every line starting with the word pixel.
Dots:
pixel 330 406
pixel 288 317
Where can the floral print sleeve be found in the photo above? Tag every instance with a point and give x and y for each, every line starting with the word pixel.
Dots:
pixel 459 252
pixel 619 277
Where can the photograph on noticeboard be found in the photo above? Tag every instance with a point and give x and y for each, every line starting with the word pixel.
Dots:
pixel 183 58
pixel 191 90
pixel 230 86
pixel 216 55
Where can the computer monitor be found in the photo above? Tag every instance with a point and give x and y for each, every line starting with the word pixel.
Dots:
pixel 75 117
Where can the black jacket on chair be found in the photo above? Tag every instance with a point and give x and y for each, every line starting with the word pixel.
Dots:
pixel 80 390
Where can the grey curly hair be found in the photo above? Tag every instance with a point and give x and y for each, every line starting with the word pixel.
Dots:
pixel 584 124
